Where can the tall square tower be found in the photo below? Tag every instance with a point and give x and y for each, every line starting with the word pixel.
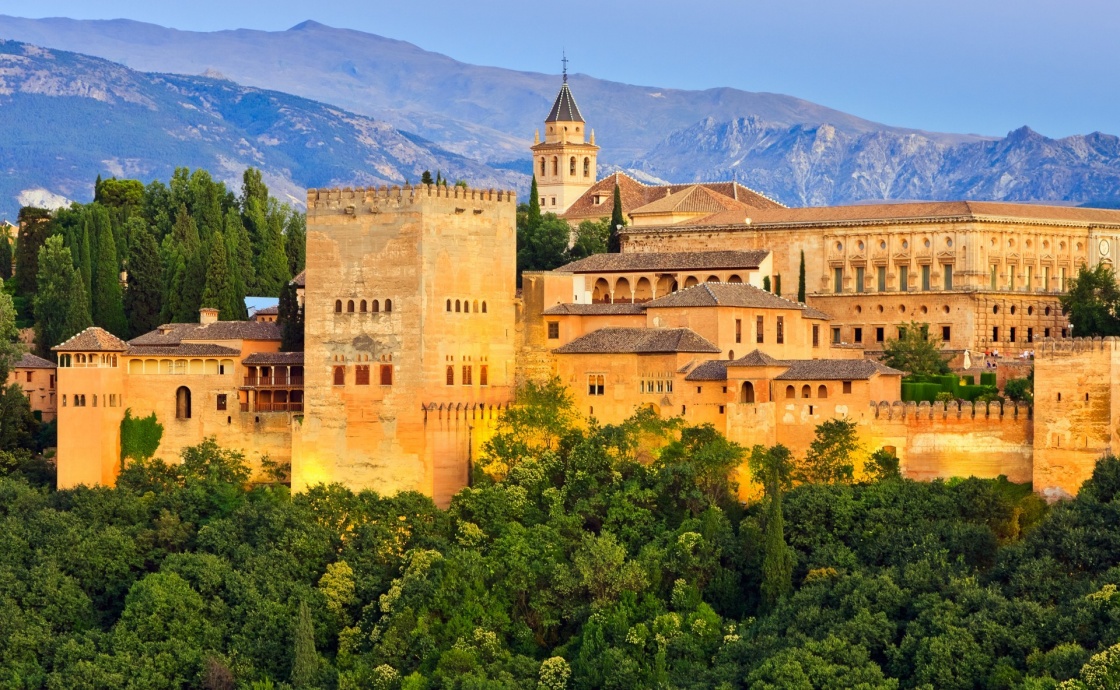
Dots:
pixel 409 334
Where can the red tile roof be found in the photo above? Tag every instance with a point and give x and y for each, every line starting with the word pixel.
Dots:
pixel 92 339
pixel 635 194
pixel 638 341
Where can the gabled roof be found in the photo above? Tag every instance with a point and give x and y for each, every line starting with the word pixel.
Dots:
pixel 638 341
pixel 723 295
pixel 92 339
pixel 594 309
pixel 834 369
pixel 811 313
pixel 30 361
pixel 184 350
pixel 301 279
pixel 756 358
pixel 634 195
pixel 712 370
pixel 666 261
pixel 565 108
pixel 274 310
pixel 289 358
pixel 692 199
pixel 175 333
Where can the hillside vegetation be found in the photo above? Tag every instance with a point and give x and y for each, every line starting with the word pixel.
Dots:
pixel 609 557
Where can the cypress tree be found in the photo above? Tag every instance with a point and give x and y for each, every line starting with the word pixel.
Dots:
pixel 426 178
pixel 290 319
pixel 534 220
pixel 766 283
pixel 272 264
pixel 614 246
pixel 60 303
pixel 84 259
pixel 186 269
pixel 240 250
pixel 35 227
pixel 108 305
pixel 174 272
pixel 305 660
pixel 801 279
pixel 219 289
pixel 5 257
pixel 295 242
pixel 777 562
pixel 778 285
pixel 145 284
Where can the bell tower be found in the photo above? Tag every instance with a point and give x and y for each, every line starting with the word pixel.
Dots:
pixel 565 162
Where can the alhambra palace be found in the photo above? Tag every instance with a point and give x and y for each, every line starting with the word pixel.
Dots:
pixel 417 335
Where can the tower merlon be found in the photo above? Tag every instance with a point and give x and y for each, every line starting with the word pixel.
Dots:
pixel 347 199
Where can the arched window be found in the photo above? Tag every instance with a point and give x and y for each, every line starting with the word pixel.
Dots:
pixel 731 354
pixel 483 306
pixel 746 395
pixel 587 167
pixel 338 306
pixel 806 391
pixel 790 392
pixel 542 166
pixel 340 376
pixel 476 306
pixel 448 305
pixel 183 403
pixel 572 167
pixel 375 306
pixel 457 306
pixel 451 374
pixel 350 306
pixel 822 391
pixel 362 306
pixel 555 165
pixel 388 305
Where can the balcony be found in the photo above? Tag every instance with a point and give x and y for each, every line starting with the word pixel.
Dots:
pixel 296 406
pixel 294 381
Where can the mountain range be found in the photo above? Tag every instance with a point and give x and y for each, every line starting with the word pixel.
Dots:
pixel 317 105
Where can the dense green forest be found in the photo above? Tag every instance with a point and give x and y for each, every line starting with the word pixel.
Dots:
pixel 583 556
pixel 183 245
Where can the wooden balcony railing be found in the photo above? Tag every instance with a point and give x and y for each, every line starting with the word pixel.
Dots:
pixel 274 407
pixel 274 381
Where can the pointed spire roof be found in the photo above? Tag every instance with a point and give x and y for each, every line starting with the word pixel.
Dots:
pixel 565 108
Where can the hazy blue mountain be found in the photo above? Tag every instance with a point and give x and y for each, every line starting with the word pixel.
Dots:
pixel 487 113
pixel 796 151
pixel 805 165
pixel 66 117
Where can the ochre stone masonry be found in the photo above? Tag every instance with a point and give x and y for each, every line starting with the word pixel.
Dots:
pixel 416 338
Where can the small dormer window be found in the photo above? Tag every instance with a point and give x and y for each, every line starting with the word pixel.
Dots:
pixel 597 199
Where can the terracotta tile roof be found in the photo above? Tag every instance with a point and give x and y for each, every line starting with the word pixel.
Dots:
pixel 183 350
pixel 811 313
pixel 30 361
pixel 756 358
pixel 594 309
pixel 301 279
pixel 638 341
pixel 635 194
pixel 692 199
pixel 267 311
pixel 712 370
pixel 565 108
pixel 92 339
pixel 834 369
pixel 289 358
pixel 909 212
pixel 723 295
pixel 666 261
pixel 175 333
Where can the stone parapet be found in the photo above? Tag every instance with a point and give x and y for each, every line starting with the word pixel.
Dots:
pixel 347 199
pixel 994 411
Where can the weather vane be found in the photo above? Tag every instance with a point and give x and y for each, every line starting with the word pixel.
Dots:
pixel 564 59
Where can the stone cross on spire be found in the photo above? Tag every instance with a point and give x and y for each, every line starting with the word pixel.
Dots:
pixel 564 59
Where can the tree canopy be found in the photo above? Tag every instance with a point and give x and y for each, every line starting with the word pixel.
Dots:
pixel 915 352
pixel 1092 302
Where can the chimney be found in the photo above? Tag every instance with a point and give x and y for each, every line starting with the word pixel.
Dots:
pixel 207 315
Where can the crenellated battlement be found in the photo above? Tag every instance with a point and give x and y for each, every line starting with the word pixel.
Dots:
pixel 1061 346
pixel 347 199
pixel 942 411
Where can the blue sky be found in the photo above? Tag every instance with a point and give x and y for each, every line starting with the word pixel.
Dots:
pixel 984 66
